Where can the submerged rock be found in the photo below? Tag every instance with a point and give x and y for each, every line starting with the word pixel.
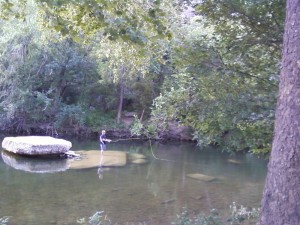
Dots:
pixel 36 145
pixel 168 201
pixel 94 158
pixel 137 158
pixel 201 177
pixel 72 154
pixel 234 161
pixel 139 161
pixel 134 156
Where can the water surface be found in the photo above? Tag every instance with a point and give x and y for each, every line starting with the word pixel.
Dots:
pixel 152 193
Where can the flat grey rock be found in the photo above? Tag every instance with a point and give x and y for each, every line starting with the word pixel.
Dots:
pixel 201 177
pixel 134 156
pixel 139 161
pixel 36 145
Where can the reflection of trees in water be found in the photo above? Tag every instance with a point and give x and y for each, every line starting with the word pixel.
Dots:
pixel 155 191
pixel 136 149
pixel 168 181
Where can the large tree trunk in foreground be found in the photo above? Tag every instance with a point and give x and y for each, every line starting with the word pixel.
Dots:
pixel 281 197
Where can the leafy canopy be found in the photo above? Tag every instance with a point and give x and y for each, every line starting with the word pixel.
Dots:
pixel 226 62
pixel 132 20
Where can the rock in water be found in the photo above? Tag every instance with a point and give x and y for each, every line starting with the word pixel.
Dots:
pixel 94 158
pixel 134 156
pixel 137 158
pixel 36 145
pixel 139 161
pixel 234 161
pixel 201 177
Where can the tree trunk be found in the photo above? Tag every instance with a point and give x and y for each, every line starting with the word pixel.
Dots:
pixel 120 106
pixel 142 115
pixel 280 203
pixel 121 94
pixel 60 86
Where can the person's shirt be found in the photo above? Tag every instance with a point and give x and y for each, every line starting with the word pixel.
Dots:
pixel 102 138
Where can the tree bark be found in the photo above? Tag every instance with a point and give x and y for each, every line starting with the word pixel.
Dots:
pixel 281 197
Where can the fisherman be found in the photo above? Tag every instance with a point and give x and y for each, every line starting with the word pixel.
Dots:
pixel 103 140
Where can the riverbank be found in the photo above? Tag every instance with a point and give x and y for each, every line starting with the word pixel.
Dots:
pixel 174 131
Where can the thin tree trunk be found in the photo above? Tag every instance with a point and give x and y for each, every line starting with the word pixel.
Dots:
pixel 61 84
pixel 142 115
pixel 121 94
pixel 120 106
pixel 281 197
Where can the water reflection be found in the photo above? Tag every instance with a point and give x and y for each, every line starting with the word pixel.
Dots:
pixel 151 193
pixel 34 165
pixel 88 159
pixel 101 171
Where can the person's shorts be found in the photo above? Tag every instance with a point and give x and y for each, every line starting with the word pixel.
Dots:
pixel 103 147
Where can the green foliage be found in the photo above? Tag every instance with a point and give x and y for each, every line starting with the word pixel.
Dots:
pixel 4 220
pixel 241 214
pixel 42 87
pixel 96 119
pixel 132 20
pixel 143 94
pixel 69 115
pixel 97 219
pixel 238 215
pixel 42 81
pixel 47 78
pixel 201 219
pixel 220 71
pixel 226 73
pixel 138 128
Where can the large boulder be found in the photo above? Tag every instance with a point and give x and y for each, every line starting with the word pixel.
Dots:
pixel 36 145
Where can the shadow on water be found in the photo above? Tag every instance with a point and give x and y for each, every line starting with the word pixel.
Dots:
pixel 60 191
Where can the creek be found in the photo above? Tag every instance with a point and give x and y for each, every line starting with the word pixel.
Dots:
pixel 151 193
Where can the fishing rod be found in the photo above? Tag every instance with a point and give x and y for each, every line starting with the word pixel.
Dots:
pixel 128 139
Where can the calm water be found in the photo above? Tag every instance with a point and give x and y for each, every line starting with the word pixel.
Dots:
pixel 152 193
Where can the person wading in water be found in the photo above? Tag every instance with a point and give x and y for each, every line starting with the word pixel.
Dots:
pixel 103 140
